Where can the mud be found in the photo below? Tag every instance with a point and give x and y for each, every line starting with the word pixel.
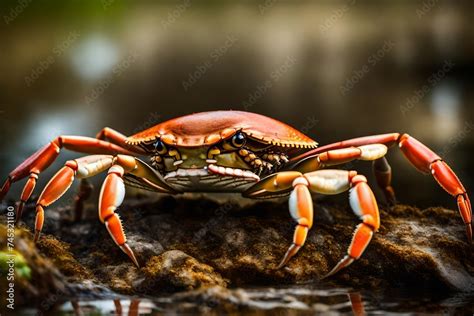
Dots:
pixel 195 242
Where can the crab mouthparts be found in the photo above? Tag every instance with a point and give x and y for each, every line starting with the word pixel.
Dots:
pixel 213 169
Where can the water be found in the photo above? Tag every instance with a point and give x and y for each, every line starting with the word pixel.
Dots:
pixel 269 301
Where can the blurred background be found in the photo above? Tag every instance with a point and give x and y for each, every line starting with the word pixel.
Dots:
pixel 333 69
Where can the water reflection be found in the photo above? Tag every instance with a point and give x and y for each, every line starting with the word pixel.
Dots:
pixel 303 299
pixel 117 307
pixel 260 301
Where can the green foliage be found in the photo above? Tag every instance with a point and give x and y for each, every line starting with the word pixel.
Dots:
pixel 22 270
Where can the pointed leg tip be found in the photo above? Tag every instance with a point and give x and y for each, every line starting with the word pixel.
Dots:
pixel 345 262
pixel 126 248
pixel 19 211
pixel 5 188
pixel 288 255
pixel 469 232
pixel 37 235
pixel 281 265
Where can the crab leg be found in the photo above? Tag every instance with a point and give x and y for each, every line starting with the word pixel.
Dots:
pixel 118 138
pixel 371 152
pixel 113 193
pixel 362 202
pixel 83 193
pixel 383 176
pixel 427 161
pixel 327 182
pixel 44 157
pixel 89 166
pixel 301 210
pixel 111 197
pixel 340 156
pixel 357 303
pixel 58 185
pixel 364 205
pixel 420 156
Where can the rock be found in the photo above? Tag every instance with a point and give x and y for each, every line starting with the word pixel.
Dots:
pixel 174 271
pixel 34 277
pixel 145 247
pixel 59 253
pixel 193 241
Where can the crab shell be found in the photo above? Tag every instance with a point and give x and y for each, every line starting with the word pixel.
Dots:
pixel 208 128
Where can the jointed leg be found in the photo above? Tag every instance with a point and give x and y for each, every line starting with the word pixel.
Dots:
pixel 113 193
pixel 111 197
pixel 421 157
pixel 301 210
pixel 364 205
pixel 326 181
pixel 426 161
pixel 58 185
pixel 117 138
pixel 83 193
pixel 92 165
pixel 44 157
pixel 371 152
pixel 383 176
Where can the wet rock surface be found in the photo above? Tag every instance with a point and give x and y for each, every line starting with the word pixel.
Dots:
pixel 27 277
pixel 194 242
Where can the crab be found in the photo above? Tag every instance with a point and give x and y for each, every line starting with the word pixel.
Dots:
pixel 233 151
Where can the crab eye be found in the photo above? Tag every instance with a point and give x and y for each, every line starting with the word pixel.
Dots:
pixel 238 140
pixel 160 147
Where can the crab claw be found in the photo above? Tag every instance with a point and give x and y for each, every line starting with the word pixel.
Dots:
pixel 151 177
pixel 275 184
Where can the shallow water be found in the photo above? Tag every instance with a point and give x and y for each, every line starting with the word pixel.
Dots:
pixel 269 301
